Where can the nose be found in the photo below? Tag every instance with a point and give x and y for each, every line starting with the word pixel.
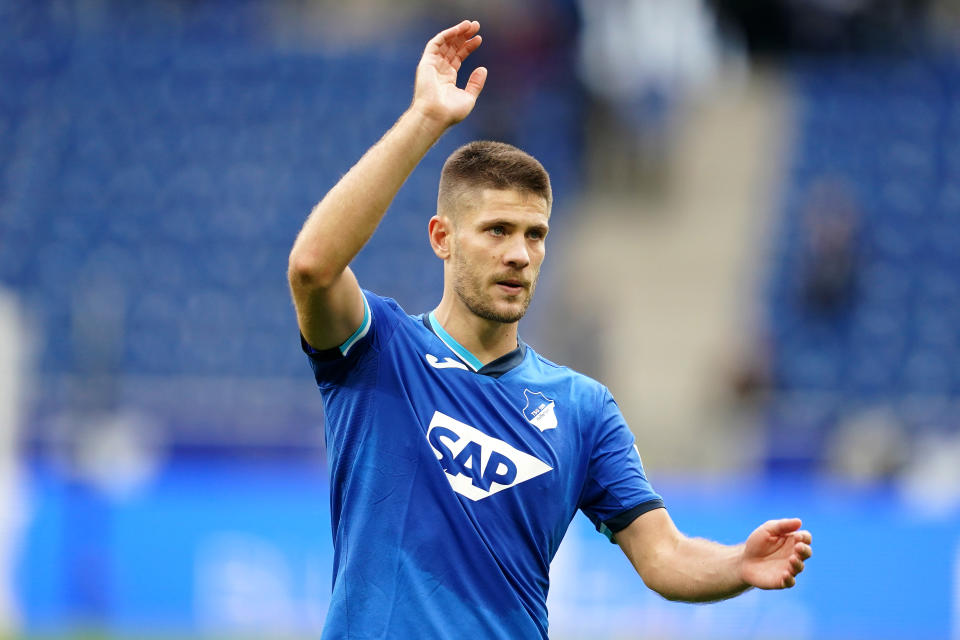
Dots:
pixel 517 254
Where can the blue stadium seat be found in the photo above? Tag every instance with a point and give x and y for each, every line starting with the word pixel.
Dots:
pixel 173 153
pixel 889 130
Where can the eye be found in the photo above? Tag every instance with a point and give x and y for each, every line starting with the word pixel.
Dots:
pixel 535 235
pixel 497 230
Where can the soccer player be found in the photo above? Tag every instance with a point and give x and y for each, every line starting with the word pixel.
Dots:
pixel 458 456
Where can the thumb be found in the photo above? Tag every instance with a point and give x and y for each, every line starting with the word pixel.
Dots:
pixel 477 79
pixel 783 526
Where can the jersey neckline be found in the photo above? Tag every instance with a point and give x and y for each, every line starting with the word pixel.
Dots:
pixel 494 369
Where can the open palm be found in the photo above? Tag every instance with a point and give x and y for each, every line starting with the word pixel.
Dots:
pixel 436 94
pixel 774 554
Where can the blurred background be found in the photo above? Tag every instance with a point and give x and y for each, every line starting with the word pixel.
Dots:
pixel 755 244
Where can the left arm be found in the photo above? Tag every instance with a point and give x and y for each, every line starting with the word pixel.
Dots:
pixel 698 570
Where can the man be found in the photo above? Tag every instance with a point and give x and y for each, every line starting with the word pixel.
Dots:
pixel 458 456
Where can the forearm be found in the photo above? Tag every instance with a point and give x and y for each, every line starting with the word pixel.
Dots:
pixel 330 305
pixel 696 570
pixel 340 225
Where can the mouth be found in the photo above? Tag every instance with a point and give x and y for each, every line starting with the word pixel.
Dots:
pixel 511 286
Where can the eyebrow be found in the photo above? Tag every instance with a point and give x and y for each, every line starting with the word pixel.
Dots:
pixel 539 226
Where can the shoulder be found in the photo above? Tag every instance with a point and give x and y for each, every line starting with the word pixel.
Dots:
pixel 575 383
pixel 390 308
pixel 383 304
pixel 386 312
pixel 381 318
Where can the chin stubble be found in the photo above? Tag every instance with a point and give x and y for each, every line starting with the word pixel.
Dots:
pixel 480 307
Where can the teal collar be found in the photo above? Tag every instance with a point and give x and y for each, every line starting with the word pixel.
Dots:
pixel 502 365
pixel 471 360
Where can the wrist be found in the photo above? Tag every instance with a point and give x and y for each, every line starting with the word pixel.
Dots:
pixel 740 565
pixel 429 122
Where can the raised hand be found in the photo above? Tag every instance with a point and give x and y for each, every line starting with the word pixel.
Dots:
pixel 436 94
pixel 774 554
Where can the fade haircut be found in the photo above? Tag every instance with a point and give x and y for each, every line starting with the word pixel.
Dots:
pixel 484 164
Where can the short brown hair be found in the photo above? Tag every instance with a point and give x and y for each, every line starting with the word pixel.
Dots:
pixel 485 164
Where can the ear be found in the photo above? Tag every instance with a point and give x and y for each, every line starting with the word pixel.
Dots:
pixel 441 235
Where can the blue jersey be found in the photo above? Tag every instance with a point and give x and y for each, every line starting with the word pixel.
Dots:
pixel 452 483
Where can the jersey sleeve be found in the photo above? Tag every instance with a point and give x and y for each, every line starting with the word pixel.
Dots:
pixel 617 490
pixel 380 318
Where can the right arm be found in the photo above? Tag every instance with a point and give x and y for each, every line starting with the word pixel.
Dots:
pixel 697 570
pixel 325 291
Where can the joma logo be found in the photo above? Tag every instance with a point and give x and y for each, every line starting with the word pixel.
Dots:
pixel 477 465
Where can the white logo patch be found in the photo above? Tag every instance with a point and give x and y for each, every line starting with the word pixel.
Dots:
pixel 540 410
pixel 477 465
pixel 448 363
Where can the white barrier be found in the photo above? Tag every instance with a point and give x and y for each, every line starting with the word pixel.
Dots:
pixel 13 360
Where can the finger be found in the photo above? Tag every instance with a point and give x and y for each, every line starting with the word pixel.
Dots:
pixel 477 79
pixel 804 536
pixel 468 47
pixel 453 38
pixel 796 564
pixel 803 551
pixel 784 526
pixel 788 581
pixel 459 49
pixel 452 32
pixel 440 44
pixel 465 50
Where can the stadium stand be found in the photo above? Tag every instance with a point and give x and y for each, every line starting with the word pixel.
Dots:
pixel 157 162
pixel 881 135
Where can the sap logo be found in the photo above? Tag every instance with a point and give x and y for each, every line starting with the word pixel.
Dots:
pixel 540 410
pixel 448 363
pixel 477 465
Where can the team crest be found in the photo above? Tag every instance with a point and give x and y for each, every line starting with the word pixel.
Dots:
pixel 539 410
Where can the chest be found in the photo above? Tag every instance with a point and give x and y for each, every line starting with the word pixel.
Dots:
pixel 513 433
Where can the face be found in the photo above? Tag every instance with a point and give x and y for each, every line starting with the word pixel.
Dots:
pixel 496 252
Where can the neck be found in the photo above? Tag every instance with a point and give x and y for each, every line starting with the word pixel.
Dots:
pixel 485 339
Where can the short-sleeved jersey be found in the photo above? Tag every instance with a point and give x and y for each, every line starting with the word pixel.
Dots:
pixel 452 483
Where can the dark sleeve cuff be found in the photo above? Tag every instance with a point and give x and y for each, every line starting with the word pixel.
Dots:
pixel 325 355
pixel 620 521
